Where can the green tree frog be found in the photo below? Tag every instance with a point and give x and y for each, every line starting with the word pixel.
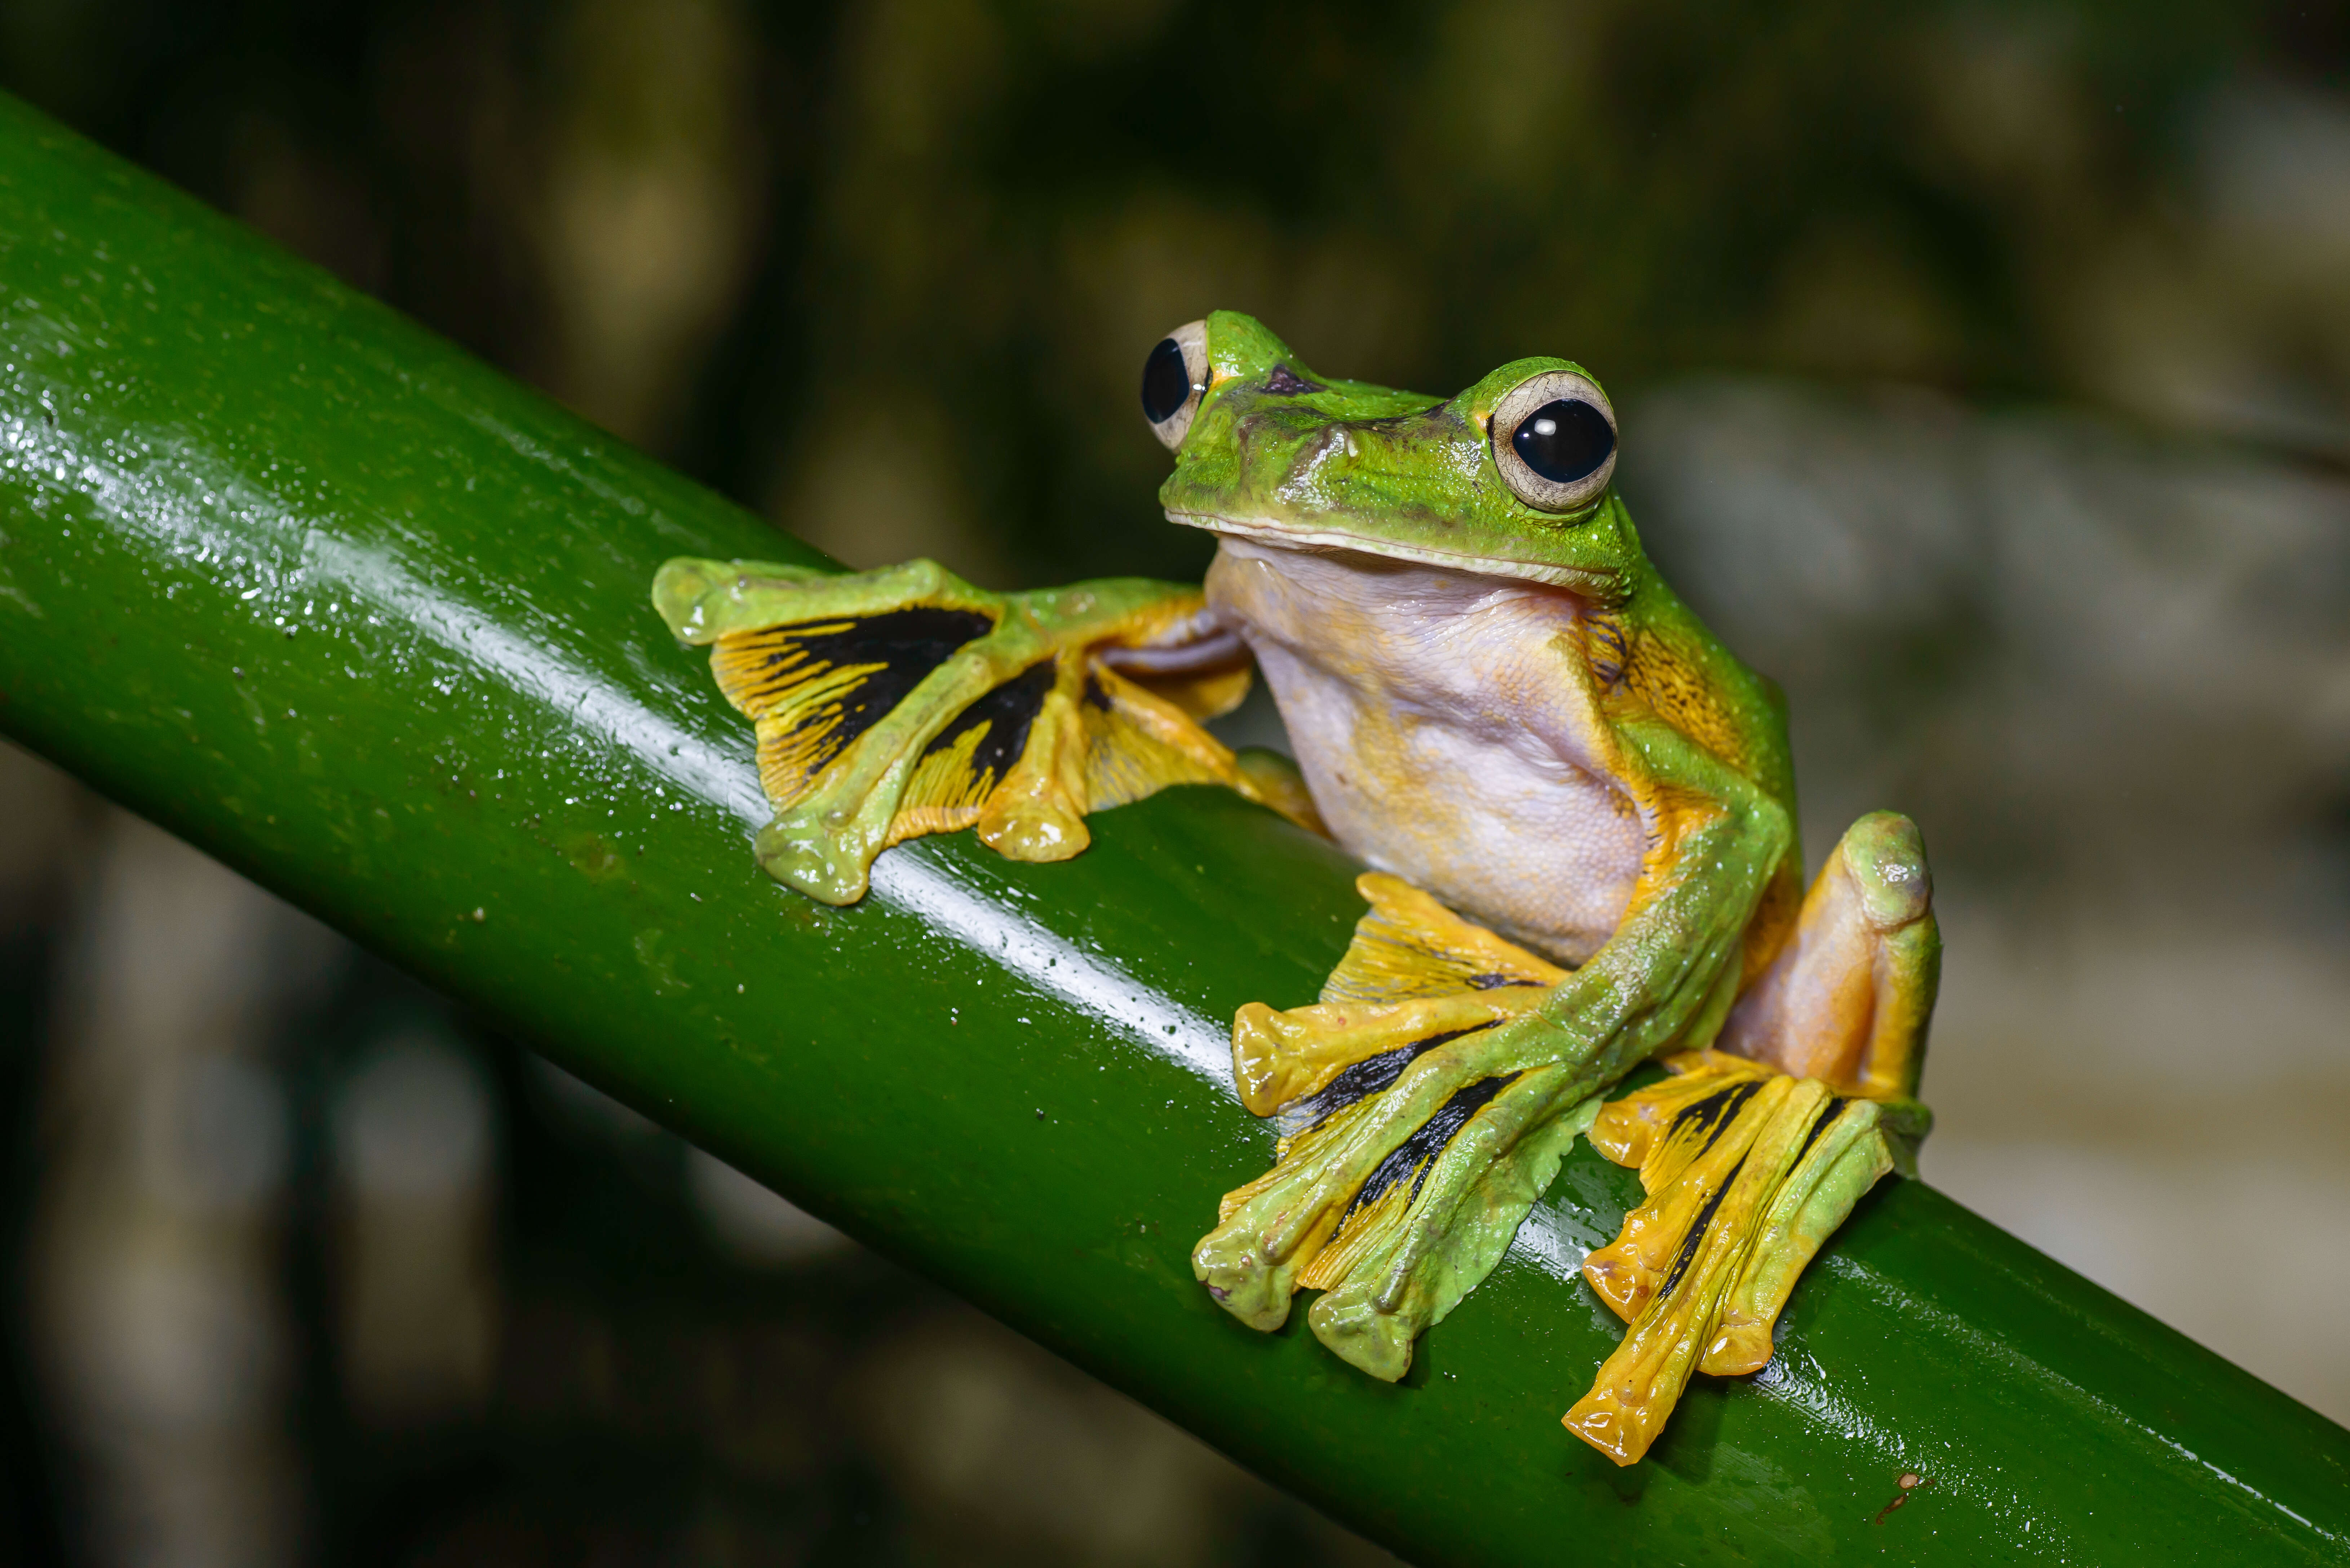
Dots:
pixel 1577 807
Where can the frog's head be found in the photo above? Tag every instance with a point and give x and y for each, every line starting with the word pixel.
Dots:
pixel 1510 478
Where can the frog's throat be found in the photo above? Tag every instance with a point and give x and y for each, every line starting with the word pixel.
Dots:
pixel 1603 587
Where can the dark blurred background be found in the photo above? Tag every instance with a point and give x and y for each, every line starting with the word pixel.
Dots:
pixel 1985 372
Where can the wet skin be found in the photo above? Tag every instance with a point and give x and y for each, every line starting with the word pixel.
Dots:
pixel 1577 804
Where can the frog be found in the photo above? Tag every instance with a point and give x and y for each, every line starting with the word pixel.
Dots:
pixel 1575 808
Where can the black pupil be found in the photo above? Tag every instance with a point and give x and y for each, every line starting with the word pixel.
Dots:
pixel 1166 382
pixel 1565 440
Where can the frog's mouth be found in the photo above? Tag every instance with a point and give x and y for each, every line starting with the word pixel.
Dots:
pixel 1590 583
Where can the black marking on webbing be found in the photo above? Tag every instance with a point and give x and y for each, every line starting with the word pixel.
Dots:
pixel 1416 1156
pixel 906 644
pixel 1828 1112
pixel 1695 1237
pixel 1007 712
pixel 1496 982
pixel 1713 1114
pixel 1097 695
pixel 1365 1078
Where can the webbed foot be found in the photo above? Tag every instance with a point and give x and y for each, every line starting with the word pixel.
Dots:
pixel 1421 1123
pixel 903 702
pixel 1754 1154
pixel 1748 1172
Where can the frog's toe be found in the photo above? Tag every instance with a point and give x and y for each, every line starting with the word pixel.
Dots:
pixel 980 738
pixel 1253 1287
pixel 1388 1277
pixel 1308 1063
pixel 1273 1231
pixel 1747 1172
pixel 1397 1202
pixel 1860 1146
pixel 806 856
pixel 704 601
pixel 1420 1124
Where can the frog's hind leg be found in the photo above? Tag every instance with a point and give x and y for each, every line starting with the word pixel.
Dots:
pixel 898 702
pixel 1412 1146
pixel 1849 997
pixel 1754 1153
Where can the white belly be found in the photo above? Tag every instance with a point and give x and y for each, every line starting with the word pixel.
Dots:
pixel 1441 734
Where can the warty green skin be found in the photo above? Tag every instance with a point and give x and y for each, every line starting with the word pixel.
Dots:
pixel 206 446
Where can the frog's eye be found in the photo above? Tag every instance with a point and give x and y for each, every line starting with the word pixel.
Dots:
pixel 1173 379
pixel 1555 440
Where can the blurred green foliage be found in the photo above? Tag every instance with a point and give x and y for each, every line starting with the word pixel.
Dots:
pixel 887 271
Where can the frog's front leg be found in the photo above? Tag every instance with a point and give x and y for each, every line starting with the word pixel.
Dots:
pixel 1416 1149
pixel 903 702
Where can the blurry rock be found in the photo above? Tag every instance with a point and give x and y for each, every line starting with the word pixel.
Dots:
pixel 45 822
pixel 223 1144
pixel 160 1322
pixel 2229 311
pixel 1986 615
pixel 418 1305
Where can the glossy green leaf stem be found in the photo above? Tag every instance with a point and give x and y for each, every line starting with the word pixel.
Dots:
pixel 368 622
